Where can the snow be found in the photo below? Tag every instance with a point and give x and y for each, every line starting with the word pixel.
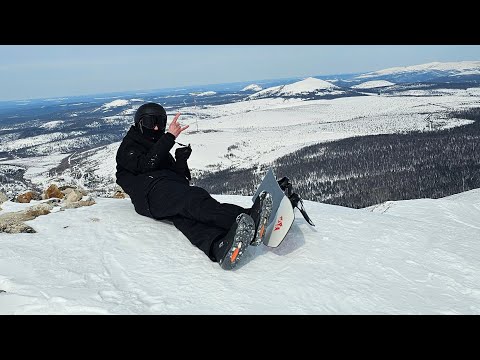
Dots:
pixel 373 84
pixel 468 72
pixel 205 93
pixel 37 167
pixel 34 140
pixel 460 68
pixel 94 124
pixel 113 104
pixel 52 124
pixel 305 86
pixel 407 257
pixel 252 87
pixel 473 91
pixel 105 168
pixel 56 99
pixel 243 134
pixel 266 129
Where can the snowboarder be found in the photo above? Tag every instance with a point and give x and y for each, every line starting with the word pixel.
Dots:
pixel 159 187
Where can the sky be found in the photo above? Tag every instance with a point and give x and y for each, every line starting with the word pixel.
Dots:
pixel 406 257
pixel 42 71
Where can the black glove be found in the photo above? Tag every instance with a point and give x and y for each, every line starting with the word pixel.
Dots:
pixel 187 174
pixel 183 153
pixel 181 168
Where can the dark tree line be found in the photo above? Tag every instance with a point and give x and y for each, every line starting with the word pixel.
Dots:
pixel 363 171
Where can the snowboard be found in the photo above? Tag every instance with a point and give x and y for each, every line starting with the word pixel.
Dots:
pixel 282 215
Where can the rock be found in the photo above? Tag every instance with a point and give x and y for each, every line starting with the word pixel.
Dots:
pixel 53 192
pixel 13 223
pixel 28 196
pixel 37 210
pixel 119 195
pixel 16 228
pixel 66 191
pixel 3 197
pixel 73 196
pixel 78 204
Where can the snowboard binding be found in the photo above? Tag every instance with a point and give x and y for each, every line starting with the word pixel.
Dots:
pixel 294 198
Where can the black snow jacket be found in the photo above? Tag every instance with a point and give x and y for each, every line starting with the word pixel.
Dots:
pixel 141 163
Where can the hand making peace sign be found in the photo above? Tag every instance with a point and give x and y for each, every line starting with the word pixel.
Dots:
pixel 175 128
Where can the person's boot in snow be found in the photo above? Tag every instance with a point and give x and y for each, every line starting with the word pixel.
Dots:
pixel 260 213
pixel 229 250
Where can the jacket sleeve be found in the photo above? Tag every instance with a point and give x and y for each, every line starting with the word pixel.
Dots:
pixel 132 159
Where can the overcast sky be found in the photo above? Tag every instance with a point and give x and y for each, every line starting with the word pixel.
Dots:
pixel 38 71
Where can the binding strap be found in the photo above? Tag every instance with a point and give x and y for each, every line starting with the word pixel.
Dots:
pixel 294 198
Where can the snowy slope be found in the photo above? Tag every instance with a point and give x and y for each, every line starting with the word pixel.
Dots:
pixel 407 257
pixel 373 84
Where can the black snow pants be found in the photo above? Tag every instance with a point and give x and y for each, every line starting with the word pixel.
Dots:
pixel 193 211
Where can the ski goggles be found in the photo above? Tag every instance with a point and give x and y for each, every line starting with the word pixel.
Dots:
pixel 150 121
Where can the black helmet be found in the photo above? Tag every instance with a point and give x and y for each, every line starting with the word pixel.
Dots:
pixel 151 114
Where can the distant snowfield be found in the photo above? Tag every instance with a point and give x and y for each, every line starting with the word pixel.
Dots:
pixel 265 129
pixel 35 140
pixel 205 93
pixel 52 124
pixel 406 257
pixel 37 167
pixel 373 84
pixel 246 133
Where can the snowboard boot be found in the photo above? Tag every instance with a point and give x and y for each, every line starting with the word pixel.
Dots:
pixel 260 213
pixel 229 250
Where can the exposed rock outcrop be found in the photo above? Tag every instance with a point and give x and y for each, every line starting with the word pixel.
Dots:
pixel 65 198
pixel 13 222
pixel 28 196
pixel 53 192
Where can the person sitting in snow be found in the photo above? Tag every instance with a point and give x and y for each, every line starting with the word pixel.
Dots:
pixel 159 187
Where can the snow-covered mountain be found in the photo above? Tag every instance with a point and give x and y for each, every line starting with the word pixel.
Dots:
pixel 407 257
pixel 114 104
pixel 426 72
pixel 252 87
pixel 306 87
